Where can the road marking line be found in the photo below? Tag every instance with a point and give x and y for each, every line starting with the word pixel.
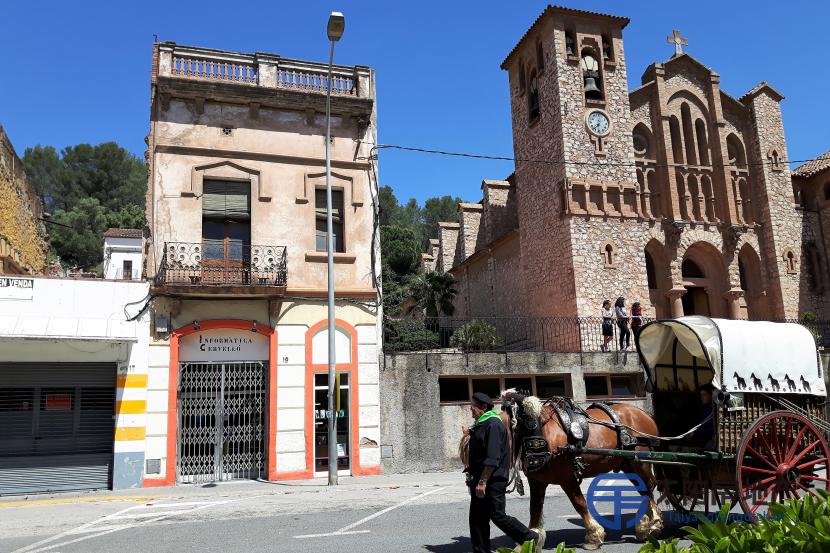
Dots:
pixel 64 500
pixel 47 545
pixel 345 529
pixel 333 534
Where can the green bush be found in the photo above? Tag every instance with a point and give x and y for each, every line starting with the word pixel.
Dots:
pixel 476 336
pixel 407 334
pixel 527 547
pixel 796 526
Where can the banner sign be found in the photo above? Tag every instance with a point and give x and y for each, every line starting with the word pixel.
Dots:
pixel 13 288
pixel 224 344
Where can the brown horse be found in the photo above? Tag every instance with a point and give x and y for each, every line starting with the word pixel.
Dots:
pixel 559 470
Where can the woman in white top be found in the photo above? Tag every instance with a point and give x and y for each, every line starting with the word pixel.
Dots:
pixel 607 324
pixel 622 323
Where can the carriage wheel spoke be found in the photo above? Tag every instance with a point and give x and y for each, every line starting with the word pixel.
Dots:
pixel 807 450
pixel 759 456
pixel 808 477
pixel 764 471
pixel 791 450
pixel 754 485
pixel 787 436
pixel 806 489
pixel 767 447
pixel 763 497
pixel 810 463
pixel 776 443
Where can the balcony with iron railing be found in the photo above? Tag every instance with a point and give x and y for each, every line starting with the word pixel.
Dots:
pixel 267 78
pixel 222 267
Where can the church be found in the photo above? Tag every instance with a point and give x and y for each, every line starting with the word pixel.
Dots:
pixel 676 194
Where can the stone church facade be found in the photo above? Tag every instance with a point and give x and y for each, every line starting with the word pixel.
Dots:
pixel 675 194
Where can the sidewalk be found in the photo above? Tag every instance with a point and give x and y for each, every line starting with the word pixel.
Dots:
pixel 241 488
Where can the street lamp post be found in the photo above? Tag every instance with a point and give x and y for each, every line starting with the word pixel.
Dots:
pixel 334 29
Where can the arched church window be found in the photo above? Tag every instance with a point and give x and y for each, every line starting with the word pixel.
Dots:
pixel 827 191
pixel 676 140
pixel 590 76
pixel 791 261
pixel 651 272
pixel 690 269
pixel 570 43
pixel 702 141
pixel 688 134
pixel 735 151
pixel 774 159
pixel 533 98
pixel 641 140
pixel 607 48
pixel 522 79
pixel 540 57
pixel 609 255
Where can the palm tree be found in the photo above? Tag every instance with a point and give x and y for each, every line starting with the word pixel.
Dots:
pixel 433 294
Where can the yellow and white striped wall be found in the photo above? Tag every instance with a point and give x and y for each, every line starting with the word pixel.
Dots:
pixel 130 426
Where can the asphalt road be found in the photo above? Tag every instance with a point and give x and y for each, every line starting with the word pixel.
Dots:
pixel 389 514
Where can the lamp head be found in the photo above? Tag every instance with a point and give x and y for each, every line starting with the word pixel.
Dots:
pixel 336 26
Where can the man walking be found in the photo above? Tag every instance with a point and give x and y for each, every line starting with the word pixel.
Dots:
pixel 487 477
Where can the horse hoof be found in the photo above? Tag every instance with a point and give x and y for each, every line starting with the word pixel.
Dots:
pixel 591 546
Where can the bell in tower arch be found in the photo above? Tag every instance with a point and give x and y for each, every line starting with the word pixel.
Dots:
pixel 591 78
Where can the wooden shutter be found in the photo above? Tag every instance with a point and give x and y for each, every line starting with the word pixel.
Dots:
pixel 226 199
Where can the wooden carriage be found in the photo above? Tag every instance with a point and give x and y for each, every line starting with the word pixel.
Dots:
pixel 770 423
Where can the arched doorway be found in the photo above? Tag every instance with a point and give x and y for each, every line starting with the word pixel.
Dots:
pixel 704 278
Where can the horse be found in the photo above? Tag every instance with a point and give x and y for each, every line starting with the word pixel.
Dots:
pixel 560 469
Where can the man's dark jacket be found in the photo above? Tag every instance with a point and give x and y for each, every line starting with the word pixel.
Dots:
pixel 489 447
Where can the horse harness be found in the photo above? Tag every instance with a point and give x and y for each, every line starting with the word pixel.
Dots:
pixel 575 422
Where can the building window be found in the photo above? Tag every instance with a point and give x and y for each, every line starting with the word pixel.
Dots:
pixel 609 255
pixel 791 261
pixel 607 48
pixel 618 386
pixel 452 389
pixel 127 269
pixel 226 222
pixel 458 389
pixel 570 43
pixel 533 98
pixel 336 219
pixel 540 57
pixel 489 386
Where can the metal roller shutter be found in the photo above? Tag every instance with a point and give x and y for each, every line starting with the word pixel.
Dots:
pixel 57 425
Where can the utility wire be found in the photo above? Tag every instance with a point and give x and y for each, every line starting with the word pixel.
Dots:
pixel 576 163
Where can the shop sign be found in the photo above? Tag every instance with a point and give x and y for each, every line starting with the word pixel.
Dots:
pixel 224 344
pixel 58 402
pixel 13 288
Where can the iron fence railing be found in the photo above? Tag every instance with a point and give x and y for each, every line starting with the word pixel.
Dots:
pixel 554 334
pixel 222 263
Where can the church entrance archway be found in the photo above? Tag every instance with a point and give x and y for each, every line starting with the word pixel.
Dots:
pixel 705 280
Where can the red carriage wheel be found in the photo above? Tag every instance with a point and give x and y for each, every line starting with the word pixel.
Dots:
pixel 782 456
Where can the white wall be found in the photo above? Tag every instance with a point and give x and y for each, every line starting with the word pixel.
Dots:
pixel 116 251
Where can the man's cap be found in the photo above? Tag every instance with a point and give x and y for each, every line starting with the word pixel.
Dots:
pixel 483 399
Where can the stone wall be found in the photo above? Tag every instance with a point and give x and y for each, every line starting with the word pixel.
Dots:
pixel 420 434
pixel 783 223
pixel 23 243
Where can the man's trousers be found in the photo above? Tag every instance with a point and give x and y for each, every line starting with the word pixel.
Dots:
pixel 491 507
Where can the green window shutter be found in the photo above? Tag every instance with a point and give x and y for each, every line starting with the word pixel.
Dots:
pixel 226 199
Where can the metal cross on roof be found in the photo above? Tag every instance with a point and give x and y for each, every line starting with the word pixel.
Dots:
pixel 678 42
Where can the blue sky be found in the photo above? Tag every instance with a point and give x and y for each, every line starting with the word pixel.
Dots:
pixel 79 71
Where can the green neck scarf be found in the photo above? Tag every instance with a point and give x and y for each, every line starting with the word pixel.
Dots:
pixel 486 415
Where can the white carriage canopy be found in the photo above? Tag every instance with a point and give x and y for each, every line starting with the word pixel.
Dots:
pixel 738 356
